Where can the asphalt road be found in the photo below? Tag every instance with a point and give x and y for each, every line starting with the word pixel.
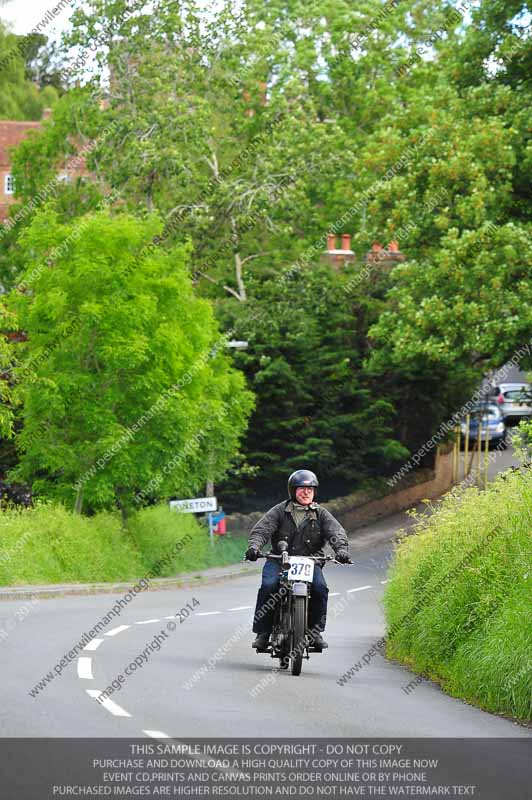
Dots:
pixel 173 693
pixel 244 694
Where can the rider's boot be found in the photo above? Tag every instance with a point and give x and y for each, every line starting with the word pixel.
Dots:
pixel 318 641
pixel 261 642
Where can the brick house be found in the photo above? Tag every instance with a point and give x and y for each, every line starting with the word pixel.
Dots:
pixel 11 134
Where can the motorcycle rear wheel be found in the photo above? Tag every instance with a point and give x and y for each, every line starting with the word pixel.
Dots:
pixel 299 621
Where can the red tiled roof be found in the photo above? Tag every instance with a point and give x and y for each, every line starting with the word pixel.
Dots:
pixel 11 134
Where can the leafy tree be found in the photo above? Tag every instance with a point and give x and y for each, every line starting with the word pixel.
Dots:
pixel 20 98
pixel 254 129
pixel 315 402
pixel 122 369
pixel 43 63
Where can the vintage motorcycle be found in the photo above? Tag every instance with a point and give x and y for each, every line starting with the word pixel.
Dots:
pixel 291 641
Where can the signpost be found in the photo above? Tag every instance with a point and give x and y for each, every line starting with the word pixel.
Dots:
pixel 198 505
pixel 217 523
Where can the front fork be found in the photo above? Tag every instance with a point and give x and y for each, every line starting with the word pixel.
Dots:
pixel 283 627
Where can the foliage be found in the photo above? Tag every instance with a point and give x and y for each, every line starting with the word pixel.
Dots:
pixel 254 129
pixel 522 441
pixel 458 602
pixel 123 367
pixel 48 544
pixel 156 529
pixel 315 402
pixel 20 98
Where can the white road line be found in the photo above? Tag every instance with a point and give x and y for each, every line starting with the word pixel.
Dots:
pixel 147 621
pixel 386 581
pixel 334 594
pixel 113 708
pixel 114 631
pixel 240 608
pixel 172 617
pixel 207 613
pixel 94 645
pixel 156 734
pixel 359 589
pixel 85 668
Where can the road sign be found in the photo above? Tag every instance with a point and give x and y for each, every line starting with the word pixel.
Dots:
pixel 217 523
pixel 198 505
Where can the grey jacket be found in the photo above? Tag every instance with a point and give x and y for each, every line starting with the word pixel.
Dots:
pixel 319 528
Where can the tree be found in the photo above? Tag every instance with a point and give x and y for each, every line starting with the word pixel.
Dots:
pixel 254 129
pixel 20 98
pixel 315 402
pixel 201 135
pixel 123 370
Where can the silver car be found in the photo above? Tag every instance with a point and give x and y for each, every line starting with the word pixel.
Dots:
pixel 486 419
pixel 514 400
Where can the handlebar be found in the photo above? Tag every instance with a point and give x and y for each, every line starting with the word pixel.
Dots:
pixel 284 557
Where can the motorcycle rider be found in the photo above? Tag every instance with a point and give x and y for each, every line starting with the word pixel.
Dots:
pixel 306 527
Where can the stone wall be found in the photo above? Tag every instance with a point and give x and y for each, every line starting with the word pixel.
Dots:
pixel 366 506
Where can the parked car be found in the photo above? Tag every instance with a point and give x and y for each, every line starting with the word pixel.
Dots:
pixel 514 401
pixel 485 416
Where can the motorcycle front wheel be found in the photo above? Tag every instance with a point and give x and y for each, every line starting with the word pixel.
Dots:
pixel 299 621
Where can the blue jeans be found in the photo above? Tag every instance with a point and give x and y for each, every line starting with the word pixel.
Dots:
pixel 317 614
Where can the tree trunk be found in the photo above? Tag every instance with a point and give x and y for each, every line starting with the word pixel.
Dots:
pixel 79 500
pixel 119 494
pixel 239 278
pixel 238 264
pixel 209 487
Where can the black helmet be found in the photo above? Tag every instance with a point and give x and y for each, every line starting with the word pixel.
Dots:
pixel 302 477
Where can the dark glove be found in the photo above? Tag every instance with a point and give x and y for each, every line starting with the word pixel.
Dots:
pixel 343 557
pixel 251 554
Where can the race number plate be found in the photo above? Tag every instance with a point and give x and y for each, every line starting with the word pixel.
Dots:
pixel 301 569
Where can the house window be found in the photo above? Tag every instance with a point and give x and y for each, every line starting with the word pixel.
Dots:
pixel 9 184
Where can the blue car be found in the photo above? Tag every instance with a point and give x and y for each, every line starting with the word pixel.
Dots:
pixel 485 416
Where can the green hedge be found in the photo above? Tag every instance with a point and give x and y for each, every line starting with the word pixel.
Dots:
pixel 48 544
pixel 459 601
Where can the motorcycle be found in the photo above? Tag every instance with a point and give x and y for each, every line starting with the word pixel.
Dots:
pixel 291 641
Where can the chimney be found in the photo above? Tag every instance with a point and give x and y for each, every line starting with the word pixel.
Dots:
pixel 385 258
pixel 337 257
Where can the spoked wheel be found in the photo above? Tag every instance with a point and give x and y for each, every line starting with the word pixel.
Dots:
pixel 298 627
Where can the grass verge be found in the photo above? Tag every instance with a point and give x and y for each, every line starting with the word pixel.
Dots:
pixel 459 602
pixel 48 544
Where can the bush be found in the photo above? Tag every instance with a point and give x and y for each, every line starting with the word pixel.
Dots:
pixel 458 604
pixel 155 530
pixel 48 544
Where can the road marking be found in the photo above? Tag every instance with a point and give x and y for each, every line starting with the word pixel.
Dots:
pixel 334 594
pixel 147 621
pixel 114 631
pixel 359 589
pixel 207 613
pixel 156 734
pixel 240 608
pixel 386 581
pixel 172 617
pixel 113 708
pixel 94 645
pixel 85 668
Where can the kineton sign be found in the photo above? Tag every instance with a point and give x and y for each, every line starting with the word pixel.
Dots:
pixel 198 505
